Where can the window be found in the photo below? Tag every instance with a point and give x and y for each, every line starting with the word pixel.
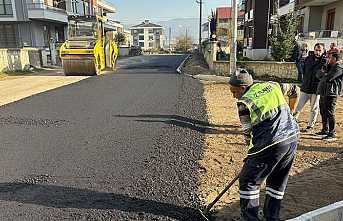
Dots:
pixel 151 37
pixel 151 31
pixel 8 36
pixel 6 7
pixel 151 44
pixel 141 44
pixel 330 19
pixel 141 37
pixel 141 31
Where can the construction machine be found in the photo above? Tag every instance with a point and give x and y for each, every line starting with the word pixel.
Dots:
pixel 89 48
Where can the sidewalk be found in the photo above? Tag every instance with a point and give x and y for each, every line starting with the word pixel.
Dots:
pixel 14 88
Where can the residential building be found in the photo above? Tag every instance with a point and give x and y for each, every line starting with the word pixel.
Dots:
pixel 35 23
pixel 148 35
pixel 223 26
pixel 321 21
pixel 128 38
pixel 256 28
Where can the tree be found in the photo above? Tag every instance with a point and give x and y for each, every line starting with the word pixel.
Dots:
pixel 120 38
pixel 283 41
pixel 183 43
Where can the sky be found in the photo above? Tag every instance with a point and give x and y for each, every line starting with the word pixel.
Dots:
pixel 136 11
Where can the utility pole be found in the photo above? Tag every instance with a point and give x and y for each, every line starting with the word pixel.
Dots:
pixel 233 48
pixel 169 39
pixel 186 40
pixel 200 21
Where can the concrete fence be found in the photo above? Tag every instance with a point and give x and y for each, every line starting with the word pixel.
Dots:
pixel 19 59
pixel 285 70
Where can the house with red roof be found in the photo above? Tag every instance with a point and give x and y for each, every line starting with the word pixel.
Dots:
pixel 223 26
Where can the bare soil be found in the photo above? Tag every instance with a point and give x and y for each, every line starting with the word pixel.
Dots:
pixel 17 87
pixel 316 179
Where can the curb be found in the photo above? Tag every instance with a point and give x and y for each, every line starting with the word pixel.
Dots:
pixel 178 70
pixel 333 212
pixel 213 78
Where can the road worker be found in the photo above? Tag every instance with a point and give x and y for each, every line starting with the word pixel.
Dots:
pixel 272 134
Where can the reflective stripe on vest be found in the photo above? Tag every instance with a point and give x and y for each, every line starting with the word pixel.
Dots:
pixel 264 101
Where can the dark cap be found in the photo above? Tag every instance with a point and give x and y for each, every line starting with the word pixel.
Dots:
pixel 241 78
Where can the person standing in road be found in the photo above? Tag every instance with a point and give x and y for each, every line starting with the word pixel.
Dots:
pixel 308 90
pixel 272 135
pixel 330 87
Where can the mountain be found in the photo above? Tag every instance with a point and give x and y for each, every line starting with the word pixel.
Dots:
pixel 180 25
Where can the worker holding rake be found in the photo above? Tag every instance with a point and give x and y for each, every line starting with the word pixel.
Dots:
pixel 272 135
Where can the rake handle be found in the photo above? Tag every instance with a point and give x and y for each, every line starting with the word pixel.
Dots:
pixel 209 206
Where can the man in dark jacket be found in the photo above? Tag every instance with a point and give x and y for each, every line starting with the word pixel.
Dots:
pixel 329 89
pixel 312 65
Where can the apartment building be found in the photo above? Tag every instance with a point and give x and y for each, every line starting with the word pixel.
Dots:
pixel 36 23
pixel 148 35
pixel 258 22
pixel 321 21
pixel 256 28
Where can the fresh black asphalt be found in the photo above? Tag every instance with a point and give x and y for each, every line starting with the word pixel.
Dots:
pixel 119 146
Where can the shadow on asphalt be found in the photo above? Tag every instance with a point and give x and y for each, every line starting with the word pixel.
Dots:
pixel 70 197
pixel 179 118
pixel 201 129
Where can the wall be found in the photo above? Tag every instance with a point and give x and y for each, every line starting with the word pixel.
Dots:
pixel 18 59
pixel 256 54
pixel 210 51
pixel 124 51
pixel 286 70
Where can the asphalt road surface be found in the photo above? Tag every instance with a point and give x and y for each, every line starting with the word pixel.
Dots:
pixel 119 146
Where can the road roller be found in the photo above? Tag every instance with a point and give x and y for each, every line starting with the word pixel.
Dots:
pixel 89 49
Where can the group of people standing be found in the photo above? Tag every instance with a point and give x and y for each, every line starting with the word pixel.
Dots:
pixel 321 76
pixel 270 128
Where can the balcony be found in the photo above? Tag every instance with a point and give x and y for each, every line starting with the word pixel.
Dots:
pixel 323 36
pixel 44 12
pixel 287 8
pixel 320 34
pixel 106 6
pixel 304 3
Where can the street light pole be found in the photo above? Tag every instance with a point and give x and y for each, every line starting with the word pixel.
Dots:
pixel 233 48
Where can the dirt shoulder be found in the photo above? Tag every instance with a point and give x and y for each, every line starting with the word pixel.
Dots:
pixel 316 178
pixel 17 87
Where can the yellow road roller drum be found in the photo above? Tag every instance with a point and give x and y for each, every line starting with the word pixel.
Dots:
pixel 84 52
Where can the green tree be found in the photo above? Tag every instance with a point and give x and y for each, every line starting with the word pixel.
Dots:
pixel 283 42
pixel 120 38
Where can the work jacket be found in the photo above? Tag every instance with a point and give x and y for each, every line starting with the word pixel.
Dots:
pixel 270 116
